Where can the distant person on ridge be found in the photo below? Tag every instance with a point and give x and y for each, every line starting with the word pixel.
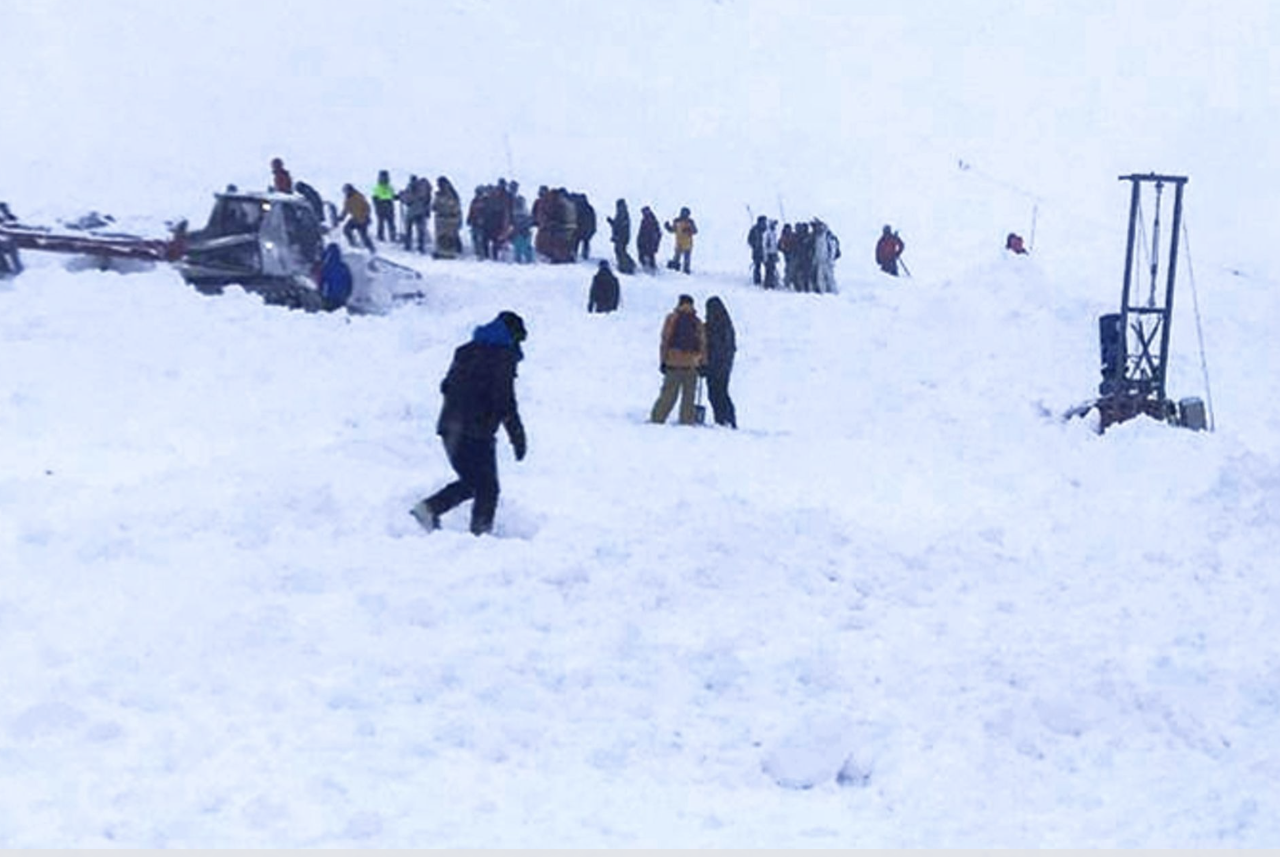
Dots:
pixel 479 395
pixel 648 240
pixel 755 240
pixel 384 206
pixel 681 350
pixel 448 210
pixel 355 211
pixel 620 235
pixel 604 294
pixel 1014 244
pixel 281 181
pixel 416 199
pixel 684 229
pixel 826 250
pixel 770 246
pixel 888 249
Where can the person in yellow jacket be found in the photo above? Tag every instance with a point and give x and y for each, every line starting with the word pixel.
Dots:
pixel 355 211
pixel 682 350
pixel 384 206
pixel 684 229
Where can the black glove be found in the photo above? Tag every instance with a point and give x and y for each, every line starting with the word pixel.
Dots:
pixel 519 443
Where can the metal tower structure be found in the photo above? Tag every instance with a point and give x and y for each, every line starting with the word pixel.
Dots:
pixel 1135 341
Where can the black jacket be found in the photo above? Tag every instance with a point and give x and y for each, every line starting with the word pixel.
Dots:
pixel 604 292
pixel 479 389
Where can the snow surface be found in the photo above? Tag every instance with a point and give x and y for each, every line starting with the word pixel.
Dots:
pixel 905 605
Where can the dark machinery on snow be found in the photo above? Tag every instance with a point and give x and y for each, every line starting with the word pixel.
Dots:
pixel 270 243
pixel 266 242
pixel 1134 342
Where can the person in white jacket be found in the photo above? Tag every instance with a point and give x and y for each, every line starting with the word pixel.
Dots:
pixel 826 249
pixel 770 246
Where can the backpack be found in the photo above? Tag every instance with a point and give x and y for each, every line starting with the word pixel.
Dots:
pixel 684 334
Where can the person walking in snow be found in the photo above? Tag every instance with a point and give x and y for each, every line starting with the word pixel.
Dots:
pixel 384 206
pixel 721 346
pixel 648 240
pixel 604 294
pixel 888 249
pixel 682 350
pixel 684 229
pixel 479 395
pixel 355 211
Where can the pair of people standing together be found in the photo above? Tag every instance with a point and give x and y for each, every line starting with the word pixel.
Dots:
pixel 689 348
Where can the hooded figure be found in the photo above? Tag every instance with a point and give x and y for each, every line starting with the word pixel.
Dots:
pixel 721 346
pixel 335 279
pixel 648 238
pixel 620 234
pixel 604 290
pixel 479 395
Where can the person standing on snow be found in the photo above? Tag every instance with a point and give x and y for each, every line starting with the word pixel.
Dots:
pixel 384 206
pixel 479 395
pixel 681 350
pixel 770 245
pixel 755 240
pixel 721 346
pixel 355 211
pixel 648 239
pixel 826 250
pixel 448 210
pixel 620 235
pixel 888 249
pixel 281 181
pixel 684 229
pixel 416 199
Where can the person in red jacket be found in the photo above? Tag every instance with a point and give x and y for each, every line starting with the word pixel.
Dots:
pixel 888 249
pixel 281 181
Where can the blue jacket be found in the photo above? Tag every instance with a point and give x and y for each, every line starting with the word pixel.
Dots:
pixel 335 278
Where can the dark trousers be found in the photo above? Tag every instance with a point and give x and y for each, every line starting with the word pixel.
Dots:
pixel 412 224
pixel 756 262
pixel 475 461
pixel 350 231
pixel 718 394
pixel 648 260
pixel 890 267
pixel 385 209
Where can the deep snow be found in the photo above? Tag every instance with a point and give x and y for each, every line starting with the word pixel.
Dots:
pixel 904 605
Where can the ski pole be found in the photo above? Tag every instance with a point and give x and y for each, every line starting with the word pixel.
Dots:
pixel 905 269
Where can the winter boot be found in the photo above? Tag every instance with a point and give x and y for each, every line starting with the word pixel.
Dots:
pixel 426 516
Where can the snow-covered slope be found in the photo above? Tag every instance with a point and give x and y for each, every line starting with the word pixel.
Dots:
pixel 903 605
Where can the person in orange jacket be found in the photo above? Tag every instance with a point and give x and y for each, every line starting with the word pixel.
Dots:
pixel 684 229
